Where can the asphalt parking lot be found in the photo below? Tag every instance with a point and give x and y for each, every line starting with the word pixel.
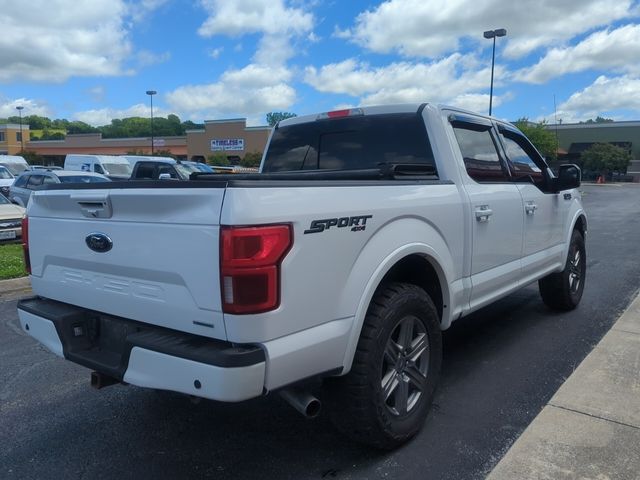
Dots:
pixel 501 366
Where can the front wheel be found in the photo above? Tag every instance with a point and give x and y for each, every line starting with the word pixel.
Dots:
pixel 563 290
pixel 384 400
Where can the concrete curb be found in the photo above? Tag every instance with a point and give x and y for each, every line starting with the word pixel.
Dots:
pixel 590 429
pixel 14 288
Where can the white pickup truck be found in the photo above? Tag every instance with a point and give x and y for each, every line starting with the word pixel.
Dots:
pixel 366 233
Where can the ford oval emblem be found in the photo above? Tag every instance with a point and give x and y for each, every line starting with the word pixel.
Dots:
pixel 99 242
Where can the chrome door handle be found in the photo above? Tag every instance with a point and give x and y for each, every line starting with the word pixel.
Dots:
pixel 530 208
pixel 483 212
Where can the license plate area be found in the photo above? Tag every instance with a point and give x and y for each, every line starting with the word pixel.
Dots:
pixel 8 235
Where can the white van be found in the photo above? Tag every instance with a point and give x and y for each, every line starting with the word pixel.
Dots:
pixel 113 166
pixel 14 163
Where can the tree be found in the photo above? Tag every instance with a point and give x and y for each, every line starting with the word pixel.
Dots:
pixel 219 159
pixel 275 117
pixel 606 158
pixel 599 119
pixel 541 137
pixel 251 159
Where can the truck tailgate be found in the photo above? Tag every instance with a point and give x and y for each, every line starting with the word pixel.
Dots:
pixel 159 264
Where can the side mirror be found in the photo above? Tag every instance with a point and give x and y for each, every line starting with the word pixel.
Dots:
pixel 165 176
pixel 569 176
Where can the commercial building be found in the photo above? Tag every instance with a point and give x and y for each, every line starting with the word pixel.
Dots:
pixel 229 137
pixel 575 138
pixel 12 136
pixel 54 151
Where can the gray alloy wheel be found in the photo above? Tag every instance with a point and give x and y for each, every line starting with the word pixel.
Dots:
pixel 384 399
pixel 405 366
pixel 563 290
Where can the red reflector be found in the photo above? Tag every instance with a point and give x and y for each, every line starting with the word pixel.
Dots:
pixel 25 244
pixel 250 260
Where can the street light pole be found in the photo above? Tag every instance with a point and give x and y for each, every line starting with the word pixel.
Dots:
pixel 500 32
pixel 151 93
pixel 19 108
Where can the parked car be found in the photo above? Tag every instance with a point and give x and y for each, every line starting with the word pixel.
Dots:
pixel 31 180
pixel 202 167
pixel 6 179
pixel 10 220
pixel 167 169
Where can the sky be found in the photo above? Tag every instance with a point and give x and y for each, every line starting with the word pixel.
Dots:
pixel 93 60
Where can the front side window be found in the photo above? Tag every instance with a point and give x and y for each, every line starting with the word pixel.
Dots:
pixel 520 160
pixel 481 159
pixel 21 181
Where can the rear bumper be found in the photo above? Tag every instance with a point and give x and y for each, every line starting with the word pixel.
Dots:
pixel 146 355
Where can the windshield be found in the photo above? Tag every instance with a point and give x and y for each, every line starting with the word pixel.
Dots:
pixel 117 168
pixel 82 179
pixel 5 174
pixel 16 168
pixel 184 170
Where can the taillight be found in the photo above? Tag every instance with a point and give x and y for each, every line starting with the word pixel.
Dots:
pixel 25 244
pixel 250 259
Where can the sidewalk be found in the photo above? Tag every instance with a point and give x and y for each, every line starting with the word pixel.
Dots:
pixel 590 429
pixel 14 288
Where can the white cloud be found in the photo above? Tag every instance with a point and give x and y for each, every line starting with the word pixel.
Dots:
pixel 31 107
pixel 242 17
pixel 225 99
pixel 262 85
pixel 602 96
pixel 431 28
pixel 103 116
pixel 52 40
pixel 142 8
pixel 617 50
pixel 454 79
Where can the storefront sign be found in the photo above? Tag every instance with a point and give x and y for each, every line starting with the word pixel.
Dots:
pixel 227 145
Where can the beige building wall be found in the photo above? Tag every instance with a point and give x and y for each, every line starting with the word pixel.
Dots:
pixel 224 135
pixel 10 138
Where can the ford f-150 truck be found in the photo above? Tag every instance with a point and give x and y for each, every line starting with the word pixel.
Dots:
pixel 366 233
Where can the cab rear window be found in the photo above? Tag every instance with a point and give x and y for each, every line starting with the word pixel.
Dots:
pixel 351 143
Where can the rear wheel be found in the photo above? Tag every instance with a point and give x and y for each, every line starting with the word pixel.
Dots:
pixel 384 400
pixel 563 290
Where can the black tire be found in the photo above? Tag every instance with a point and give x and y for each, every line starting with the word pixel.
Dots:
pixel 563 290
pixel 399 315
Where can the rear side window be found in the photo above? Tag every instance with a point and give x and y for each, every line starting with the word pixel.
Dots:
pixel 34 181
pixel 357 142
pixel 82 179
pixel 480 155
